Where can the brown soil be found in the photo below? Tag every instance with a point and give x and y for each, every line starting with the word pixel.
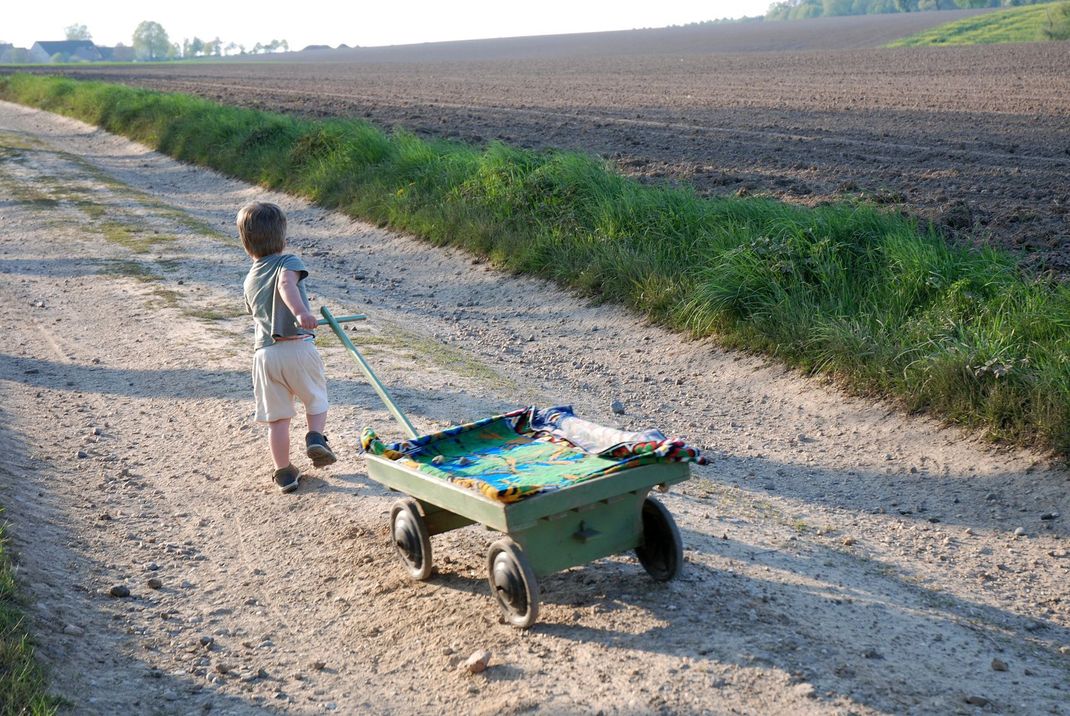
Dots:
pixel 976 139
pixel 841 557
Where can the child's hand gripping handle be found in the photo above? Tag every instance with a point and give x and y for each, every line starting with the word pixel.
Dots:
pixel 340 319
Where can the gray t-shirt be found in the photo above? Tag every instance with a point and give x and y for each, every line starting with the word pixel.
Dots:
pixel 271 316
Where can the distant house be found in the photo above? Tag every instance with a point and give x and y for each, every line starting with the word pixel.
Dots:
pixel 316 47
pixel 119 53
pixel 64 51
pixel 11 55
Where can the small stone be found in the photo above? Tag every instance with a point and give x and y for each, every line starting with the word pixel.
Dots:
pixel 804 690
pixel 848 541
pixel 1019 532
pixel 999 665
pixel 1065 650
pixel 81 454
pixel 617 407
pixel 73 630
pixel 152 567
pixel 477 662
pixel 990 497
pixel 154 583
pixel 1049 516
pixel 207 640
pixel 968 532
pixel 977 701
pixel 223 668
pixel 872 653
pixel 1059 553
pixel 119 591
pixel 438 459
pixel 319 665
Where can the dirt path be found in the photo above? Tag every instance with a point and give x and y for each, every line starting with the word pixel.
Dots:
pixel 842 557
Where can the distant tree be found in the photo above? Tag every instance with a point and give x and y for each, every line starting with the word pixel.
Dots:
pixel 798 9
pixel 77 32
pixel 196 46
pixel 273 46
pixel 213 47
pixel 151 42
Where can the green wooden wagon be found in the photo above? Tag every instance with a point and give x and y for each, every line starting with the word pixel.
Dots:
pixel 601 507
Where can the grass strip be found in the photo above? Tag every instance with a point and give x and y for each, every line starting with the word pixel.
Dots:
pixel 1033 23
pixel 853 291
pixel 22 683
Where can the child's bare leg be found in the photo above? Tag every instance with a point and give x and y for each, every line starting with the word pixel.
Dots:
pixel 279 439
pixel 317 422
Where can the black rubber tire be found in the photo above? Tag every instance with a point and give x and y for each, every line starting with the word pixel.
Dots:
pixel 662 551
pixel 409 534
pixel 513 583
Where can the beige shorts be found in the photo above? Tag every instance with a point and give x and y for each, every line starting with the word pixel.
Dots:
pixel 284 370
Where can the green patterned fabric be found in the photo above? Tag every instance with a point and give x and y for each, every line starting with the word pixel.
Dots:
pixel 511 456
pixel 499 462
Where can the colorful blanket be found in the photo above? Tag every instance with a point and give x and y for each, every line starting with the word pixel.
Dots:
pixel 524 452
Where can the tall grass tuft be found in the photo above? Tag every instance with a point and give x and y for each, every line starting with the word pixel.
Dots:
pixel 876 300
pixel 22 684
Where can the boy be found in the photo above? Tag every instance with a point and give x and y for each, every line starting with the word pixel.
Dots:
pixel 285 360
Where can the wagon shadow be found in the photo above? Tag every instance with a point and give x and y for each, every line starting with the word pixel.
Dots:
pixel 808 623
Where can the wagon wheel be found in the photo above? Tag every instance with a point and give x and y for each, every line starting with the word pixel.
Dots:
pixel 662 551
pixel 512 582
pixel 411 539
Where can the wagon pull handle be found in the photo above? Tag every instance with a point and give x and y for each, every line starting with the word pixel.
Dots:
pixel 384 394
pixel 343 319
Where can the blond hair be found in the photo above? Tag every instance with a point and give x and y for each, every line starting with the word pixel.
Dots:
pixel 262 228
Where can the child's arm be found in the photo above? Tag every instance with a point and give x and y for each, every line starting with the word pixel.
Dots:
pixel 292 298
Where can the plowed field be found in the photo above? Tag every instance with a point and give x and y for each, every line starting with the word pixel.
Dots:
pixel 976 139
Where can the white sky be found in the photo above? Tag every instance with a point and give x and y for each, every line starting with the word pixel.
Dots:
pixel 386 22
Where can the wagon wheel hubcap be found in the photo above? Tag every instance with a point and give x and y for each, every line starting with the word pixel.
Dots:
pixel 407 540
pixel 509 584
